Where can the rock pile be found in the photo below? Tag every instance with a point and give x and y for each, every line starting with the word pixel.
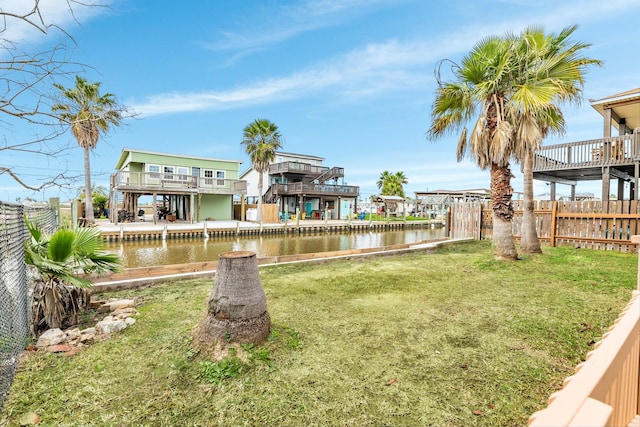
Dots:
pixel 71 341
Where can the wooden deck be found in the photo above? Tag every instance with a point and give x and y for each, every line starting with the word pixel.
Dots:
pixel 165 183
pixel 585 160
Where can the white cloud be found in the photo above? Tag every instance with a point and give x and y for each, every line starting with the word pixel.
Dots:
pixel 376 68
pixel 287 22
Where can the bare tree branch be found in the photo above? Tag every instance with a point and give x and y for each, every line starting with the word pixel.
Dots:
pixel 27 76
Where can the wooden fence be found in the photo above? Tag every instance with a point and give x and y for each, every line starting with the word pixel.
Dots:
pixel 605 389
pixel 587 224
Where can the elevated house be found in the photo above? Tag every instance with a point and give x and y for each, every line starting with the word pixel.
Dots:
pixel 606 158
pixel 181 187
pixel 300 183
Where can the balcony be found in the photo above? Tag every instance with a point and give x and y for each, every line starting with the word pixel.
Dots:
pixel 172 183
pixel 298 168
pixel 299 188
pixel 584 160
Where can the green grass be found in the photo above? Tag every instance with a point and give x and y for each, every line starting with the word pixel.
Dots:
pixel 401 341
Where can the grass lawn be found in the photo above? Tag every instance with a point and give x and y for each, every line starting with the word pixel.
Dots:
pixel 452 338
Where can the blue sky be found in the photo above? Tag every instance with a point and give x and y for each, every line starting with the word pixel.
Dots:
pixel 351 81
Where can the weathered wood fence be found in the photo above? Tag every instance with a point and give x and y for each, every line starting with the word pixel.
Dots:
pixel 587 224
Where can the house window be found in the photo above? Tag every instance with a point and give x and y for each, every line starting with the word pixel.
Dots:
pixel 168 172
pixel 207 174
pixel 183 173
pixel 220 178
pixel 154 171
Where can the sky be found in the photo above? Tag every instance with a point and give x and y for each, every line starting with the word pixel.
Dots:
pixel 351 81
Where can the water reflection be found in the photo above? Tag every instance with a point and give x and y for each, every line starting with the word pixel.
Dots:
pixel 143 253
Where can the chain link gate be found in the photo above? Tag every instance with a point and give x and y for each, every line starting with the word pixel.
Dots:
pixel 14 284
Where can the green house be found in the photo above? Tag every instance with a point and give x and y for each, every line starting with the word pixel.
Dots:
pixel 182 188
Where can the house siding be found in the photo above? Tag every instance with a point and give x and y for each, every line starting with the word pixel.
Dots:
pixel 218 207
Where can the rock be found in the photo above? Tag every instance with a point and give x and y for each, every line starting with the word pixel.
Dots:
pixel 130 321
pixel 73 336
pixel 60 348
pixel 122 313
pixel 51 337
pixel 114 305
pixel 29 419
pixel 109 326
pixel 87 335
pixel 72 352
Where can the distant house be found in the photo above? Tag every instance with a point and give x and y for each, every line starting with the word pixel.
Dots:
pixel 390 205
pixel 436 204
pixel 298 182
pixel 182 187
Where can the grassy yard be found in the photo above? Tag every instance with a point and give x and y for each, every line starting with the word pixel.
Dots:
pixel 446 339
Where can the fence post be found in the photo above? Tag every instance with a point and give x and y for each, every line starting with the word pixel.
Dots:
pixel 479 207
pixel 451 218
pixel 552 233
pixel 636 239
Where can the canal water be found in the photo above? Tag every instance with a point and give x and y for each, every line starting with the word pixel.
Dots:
pixel 144 253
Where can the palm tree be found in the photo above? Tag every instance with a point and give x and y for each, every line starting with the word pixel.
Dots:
pixel 383 182
pixel 551 71
pixel 89 115
pixel 59 292
pixel 261 140
pixel 237 309
pixel 399 181
pixel 483 83
pixel 392 184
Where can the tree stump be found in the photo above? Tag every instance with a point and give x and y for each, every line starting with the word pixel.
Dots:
pixel 237 309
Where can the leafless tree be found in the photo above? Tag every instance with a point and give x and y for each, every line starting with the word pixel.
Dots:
pixel 27 74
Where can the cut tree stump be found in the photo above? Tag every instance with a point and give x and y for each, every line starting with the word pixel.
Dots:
pixel 237 309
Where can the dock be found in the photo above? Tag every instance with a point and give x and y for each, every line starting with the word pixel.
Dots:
pixel 163 230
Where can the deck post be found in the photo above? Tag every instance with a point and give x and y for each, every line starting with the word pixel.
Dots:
pixel 192 208
pixel 552 233
pixel 634 184
pixel 606 184
pixel 620 189
pixel 606 114
pixel 155 208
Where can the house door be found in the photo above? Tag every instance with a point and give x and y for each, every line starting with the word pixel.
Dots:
pixel 195 172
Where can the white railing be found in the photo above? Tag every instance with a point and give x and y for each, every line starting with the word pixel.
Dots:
pixel 157 180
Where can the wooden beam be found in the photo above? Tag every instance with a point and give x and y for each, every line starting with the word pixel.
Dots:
pixel 606 183
pixel 607 114
pixel 551 178
pixel 636 178
pixel 552 234
pixel 618 174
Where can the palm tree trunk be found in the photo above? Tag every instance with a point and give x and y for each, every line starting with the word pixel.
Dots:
pixel 260 184
pixel 529 242
pixel 88 196
pixel 237 310
pixel 501 191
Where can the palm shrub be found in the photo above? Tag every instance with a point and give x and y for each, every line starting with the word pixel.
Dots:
pixel 63 261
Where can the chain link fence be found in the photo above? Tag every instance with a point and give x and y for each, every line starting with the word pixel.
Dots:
pixel 14 284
